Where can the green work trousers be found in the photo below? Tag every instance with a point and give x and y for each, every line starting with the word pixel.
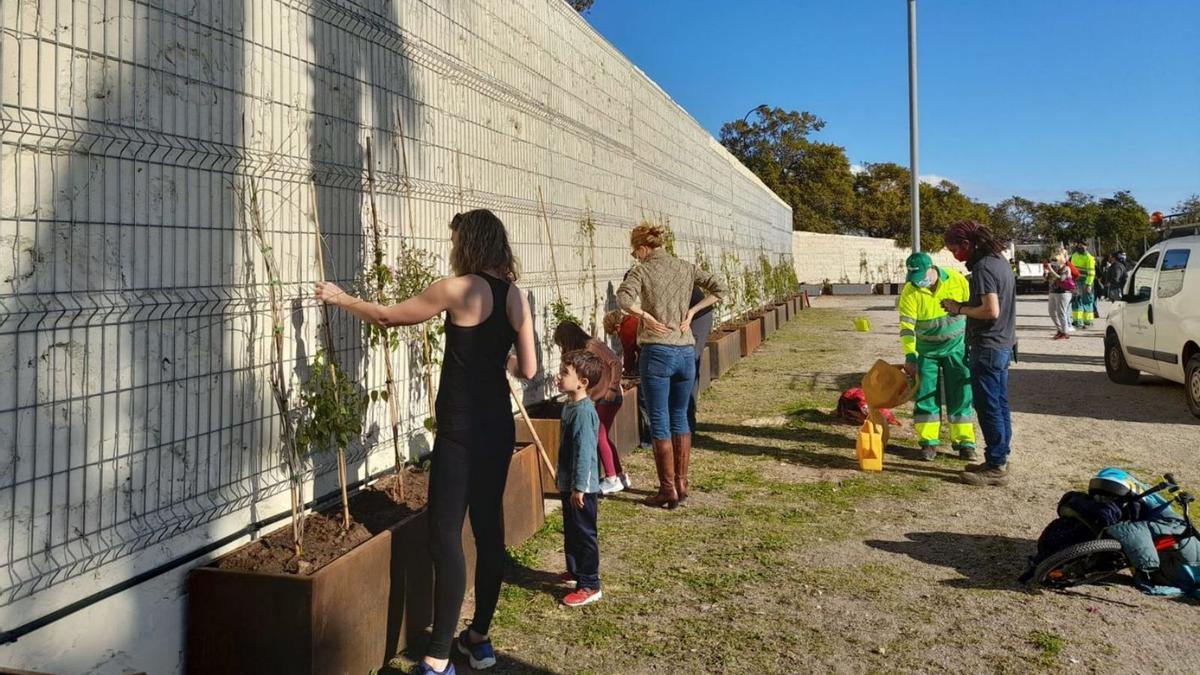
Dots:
pixel 951 371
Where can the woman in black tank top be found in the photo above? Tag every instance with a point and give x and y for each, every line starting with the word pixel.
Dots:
pixel 486 315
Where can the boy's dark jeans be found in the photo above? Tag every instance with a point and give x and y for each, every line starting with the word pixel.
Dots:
pixel 989 385
pixel 579 538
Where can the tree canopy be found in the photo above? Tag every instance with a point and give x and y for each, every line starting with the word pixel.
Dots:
pixel 827 195
pixel 813 178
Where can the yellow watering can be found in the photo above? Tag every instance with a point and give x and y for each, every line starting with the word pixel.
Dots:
pixel 885 386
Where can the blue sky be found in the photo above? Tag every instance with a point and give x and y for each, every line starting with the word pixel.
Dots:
pixel 1028 97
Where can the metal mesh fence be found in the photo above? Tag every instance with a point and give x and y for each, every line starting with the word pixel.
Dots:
pixel 134 322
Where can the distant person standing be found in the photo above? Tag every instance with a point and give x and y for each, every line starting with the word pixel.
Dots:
pixel 1117 274
pixel 1083 306
pixel 701 329
pixel 991 313
pixel 1062 286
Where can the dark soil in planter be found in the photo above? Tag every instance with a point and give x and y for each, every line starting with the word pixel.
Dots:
pixel 372 511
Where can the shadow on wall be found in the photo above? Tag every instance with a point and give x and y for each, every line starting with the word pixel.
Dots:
pixel 358 65
pixel 125 327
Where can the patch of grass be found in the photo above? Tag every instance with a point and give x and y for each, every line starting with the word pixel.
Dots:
pixel 1049 644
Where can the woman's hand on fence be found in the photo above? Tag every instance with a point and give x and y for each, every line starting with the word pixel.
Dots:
pixel 329 292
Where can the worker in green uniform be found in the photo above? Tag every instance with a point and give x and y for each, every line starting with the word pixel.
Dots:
pixel 1083 303
pixel 934 346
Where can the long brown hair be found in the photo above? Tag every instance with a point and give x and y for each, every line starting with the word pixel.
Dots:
pixel 482 245
pixel 570 337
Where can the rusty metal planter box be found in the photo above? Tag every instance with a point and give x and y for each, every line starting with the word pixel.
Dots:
pixel 351 616
pixel 625 427
pixel 784 310
pixel 546 418
pixel 767 318
pixel 751 333
pixel 724 350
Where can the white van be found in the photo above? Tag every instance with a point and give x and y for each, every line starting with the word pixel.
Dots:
pixel 1155 328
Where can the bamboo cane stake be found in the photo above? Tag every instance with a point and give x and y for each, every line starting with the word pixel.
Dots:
pixel 550 243
pixel 330 354
pixel 428 349
pixel 393 406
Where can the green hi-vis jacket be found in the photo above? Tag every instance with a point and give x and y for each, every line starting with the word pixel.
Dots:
pixel 1086 264
pixel 926 328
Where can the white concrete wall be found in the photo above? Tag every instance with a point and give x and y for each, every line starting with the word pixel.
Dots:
pixel 843 259
pixel 135 418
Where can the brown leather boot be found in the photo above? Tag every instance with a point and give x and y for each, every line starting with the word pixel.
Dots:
pixel 683 456
pixel 664 462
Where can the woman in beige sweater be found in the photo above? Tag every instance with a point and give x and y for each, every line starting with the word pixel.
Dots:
pixel 658 292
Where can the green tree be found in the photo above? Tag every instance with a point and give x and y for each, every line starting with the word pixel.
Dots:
pixel 1121 223
pixel 882 206
pixel 1019 219
pixel 1071 219
pixel 1190 208
pixel 813 178
pixel 581 6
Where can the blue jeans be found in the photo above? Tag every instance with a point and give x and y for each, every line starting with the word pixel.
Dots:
pixel 668 376
pixel 989 384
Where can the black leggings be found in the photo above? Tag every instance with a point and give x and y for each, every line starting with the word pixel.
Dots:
pixel 470 466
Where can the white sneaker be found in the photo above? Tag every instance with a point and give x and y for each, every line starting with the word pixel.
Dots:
pixel 625 481
pixel 611 485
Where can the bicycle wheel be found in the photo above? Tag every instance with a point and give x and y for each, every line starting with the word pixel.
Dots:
pixel 1085 563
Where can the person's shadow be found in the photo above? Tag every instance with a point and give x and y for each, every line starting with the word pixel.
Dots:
pixel 985 561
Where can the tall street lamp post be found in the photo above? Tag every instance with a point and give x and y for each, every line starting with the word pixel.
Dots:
pixel 913 153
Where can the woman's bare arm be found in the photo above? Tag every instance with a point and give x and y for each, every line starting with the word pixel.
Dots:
pixel 417 309
pixel 523 363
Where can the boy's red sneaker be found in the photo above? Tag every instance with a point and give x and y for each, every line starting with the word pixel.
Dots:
pixel 583 596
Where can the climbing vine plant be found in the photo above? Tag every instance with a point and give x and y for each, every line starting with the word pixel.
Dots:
pixel 413 273
pixel 731 271
pixel 380 278
pixel 586 250
pixel 293 454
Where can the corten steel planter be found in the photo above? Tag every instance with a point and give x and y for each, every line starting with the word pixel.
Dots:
pixel 524 510
pixel 351 616
pixel 784 309
pixel 767 318
pixel 546 417
pixel 704 372
pixel 751 334
pixel 724 350
pixel 625 426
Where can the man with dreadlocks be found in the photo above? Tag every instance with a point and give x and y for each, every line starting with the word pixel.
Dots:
pixel 991 342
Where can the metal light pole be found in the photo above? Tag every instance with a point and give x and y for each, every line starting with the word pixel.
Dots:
pixel 756 109
pixel 913 153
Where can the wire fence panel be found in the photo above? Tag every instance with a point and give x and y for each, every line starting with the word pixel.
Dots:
pixel 135 327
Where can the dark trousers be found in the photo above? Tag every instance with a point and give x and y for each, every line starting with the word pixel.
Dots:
pixel 471 456
pixel 579 540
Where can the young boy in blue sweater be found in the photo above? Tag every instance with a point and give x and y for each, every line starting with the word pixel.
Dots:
pixel 579 476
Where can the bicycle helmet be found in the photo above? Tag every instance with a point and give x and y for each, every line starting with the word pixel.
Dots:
pixel 1111 484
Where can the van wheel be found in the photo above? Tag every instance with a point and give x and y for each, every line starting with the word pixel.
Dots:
pixel 1114 363
pixel 1192 384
